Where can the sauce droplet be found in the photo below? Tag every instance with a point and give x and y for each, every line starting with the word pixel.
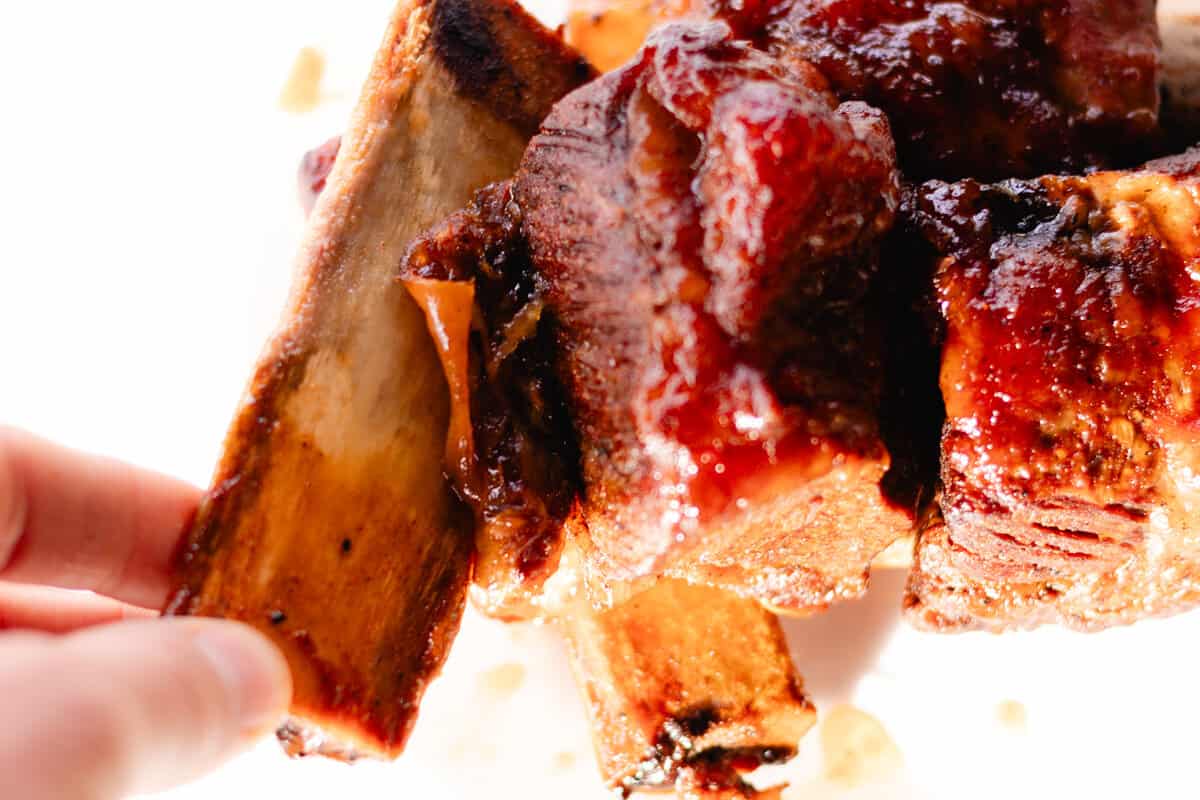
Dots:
pixel 302 90
pixel 857 747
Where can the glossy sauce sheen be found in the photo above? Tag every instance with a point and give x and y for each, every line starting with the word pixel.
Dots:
pixel 702 223
pixel 667 706
pixel 698 232
pixel 989 88
pixel 520 472
pixel 1070 372
pixel 984 88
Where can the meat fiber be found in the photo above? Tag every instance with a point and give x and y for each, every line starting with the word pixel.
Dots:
pixel 702 226
pixel 975 88
pixel 1070 370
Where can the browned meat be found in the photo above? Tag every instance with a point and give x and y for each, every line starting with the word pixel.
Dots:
pixel 989 88
pixel 703 222
pixel 702 225
pixel 975 88
pixel 687 686
pixel 513 450
pixel 330 526
pixel 674 699
pixel 1070 372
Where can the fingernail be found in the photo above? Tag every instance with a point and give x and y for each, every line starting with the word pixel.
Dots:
pixel 252 669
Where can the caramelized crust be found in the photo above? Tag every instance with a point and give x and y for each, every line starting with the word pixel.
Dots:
pixel 1069 372
pixel 990 88
pixel 702 227
pixel 976 88
pixel 674 700
pixel 687 686
pixel 329 525
pixel 703 224
pixel 513 450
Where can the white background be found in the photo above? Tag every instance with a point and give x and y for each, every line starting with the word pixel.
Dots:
pixel 147 221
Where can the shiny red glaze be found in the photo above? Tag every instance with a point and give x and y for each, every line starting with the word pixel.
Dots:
pixel 703 222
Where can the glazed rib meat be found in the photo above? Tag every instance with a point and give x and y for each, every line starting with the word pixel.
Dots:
pixel 511 448
pixel 703 223
pixel 670 706
pixel 989 88
pixel 1070 370
pixel 687 686
pixel 329 525
pixel 702 226
pixel 977 88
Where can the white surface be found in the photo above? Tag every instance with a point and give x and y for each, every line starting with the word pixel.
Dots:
pixel 148 218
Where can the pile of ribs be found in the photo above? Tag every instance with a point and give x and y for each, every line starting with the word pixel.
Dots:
pixel 792 289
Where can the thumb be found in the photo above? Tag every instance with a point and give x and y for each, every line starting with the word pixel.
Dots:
pixel 132 707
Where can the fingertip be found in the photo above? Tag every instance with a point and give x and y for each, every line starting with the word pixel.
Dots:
pixel 251 668
pixel 133 706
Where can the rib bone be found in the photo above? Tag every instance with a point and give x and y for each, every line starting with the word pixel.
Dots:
pixel 329 525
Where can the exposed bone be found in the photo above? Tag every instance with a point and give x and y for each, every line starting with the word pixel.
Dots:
pixel 686 685
pixel 329 525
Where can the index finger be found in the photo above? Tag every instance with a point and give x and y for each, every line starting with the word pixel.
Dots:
pixel 80 521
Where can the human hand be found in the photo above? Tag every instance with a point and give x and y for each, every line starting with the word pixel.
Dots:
pixel 98 699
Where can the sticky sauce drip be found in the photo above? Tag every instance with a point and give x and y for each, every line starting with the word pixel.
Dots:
pixel 448 307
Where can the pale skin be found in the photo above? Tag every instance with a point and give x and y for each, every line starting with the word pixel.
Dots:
pixel 99 699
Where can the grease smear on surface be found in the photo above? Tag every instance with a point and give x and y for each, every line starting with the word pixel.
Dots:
pixel 302 90
pixel 857 748
pixel 1011 714
pixel 501 681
